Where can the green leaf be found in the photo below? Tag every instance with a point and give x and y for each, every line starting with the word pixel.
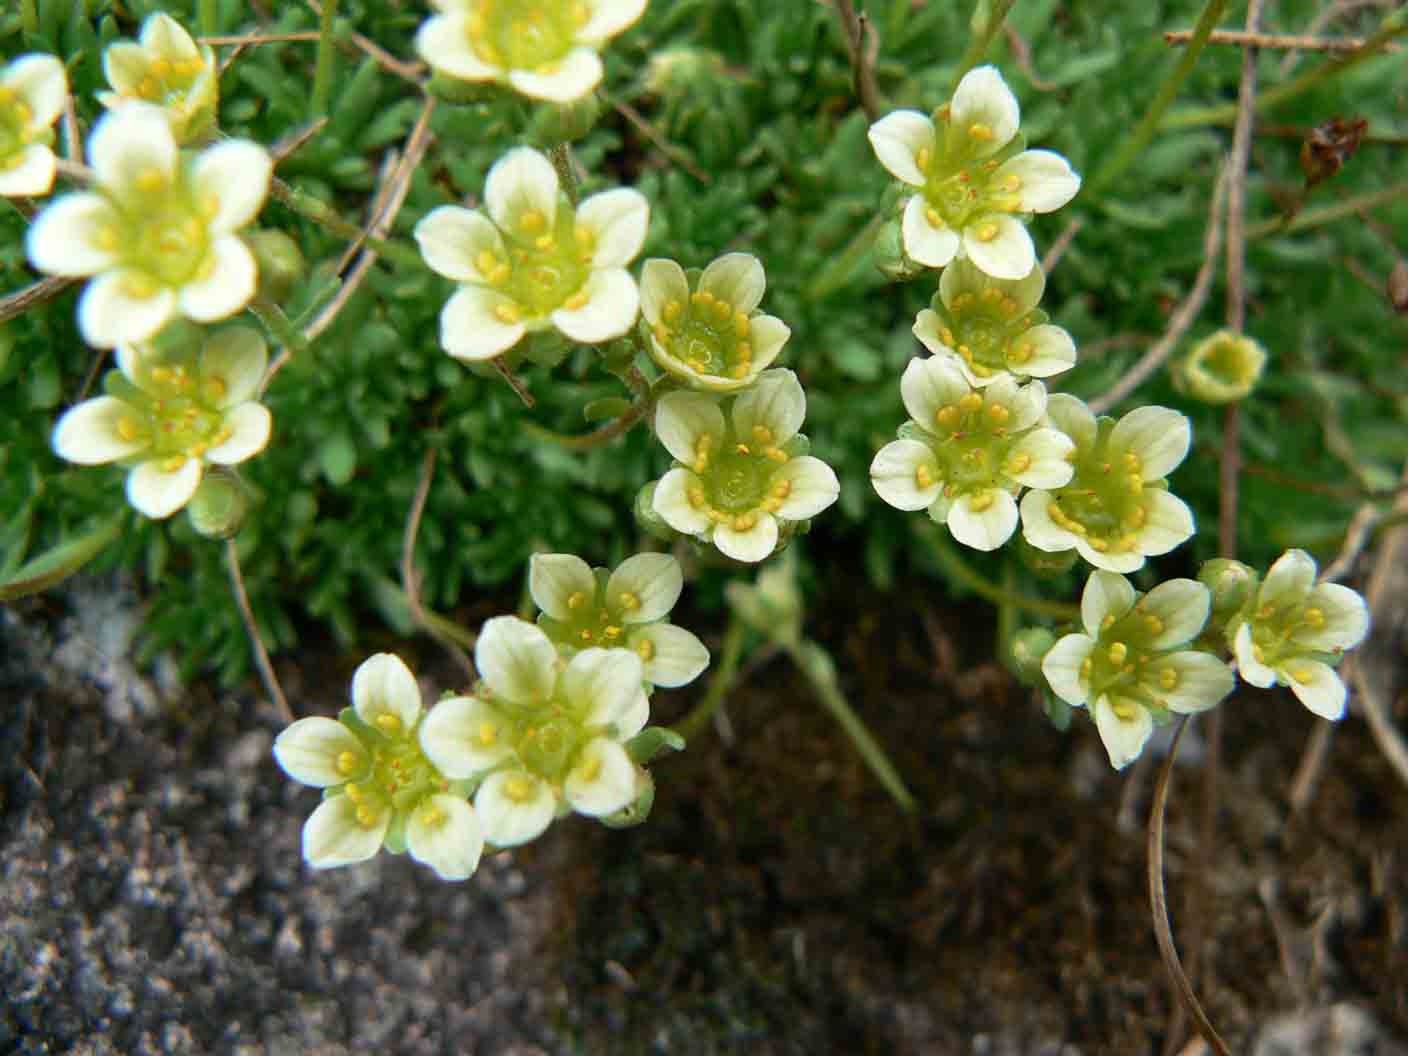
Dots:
pixel 651 741
pixel 338 457
pixel 53 567
pixel 608 407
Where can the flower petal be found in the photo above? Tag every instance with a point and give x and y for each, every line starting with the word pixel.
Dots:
pixel 602 779
pixel 927 386
pixel 334 835
pixel 131 143
pixel 609 17
pixel 32 175
pixel 984 520
pixel 928 327
pixel 689 424
pixel 464 736
pixel 1121 562
pixel 236 357
pixel 320 752
pixel 444 833
pixel 443 42
pixel 157 492
pixel 472 323
pixel 226 285
pixel 737 279
pixel 451 239
pixel 1062 668
pixel 600 684
pixel 750 544
pixel 896 472
pixel 673 656
pixel 1049 351
pixel 1037 526
pixel 1043 455
pixel 610 309
pixel 1346 619
pixel 514 807
pixel 1000 246
pixel 1315 685
pixel 166 38
pixel 897 139
pixel 983 98
pixel 1107 597
pixel 1169 523
pixel 575 75
pixel 661 281
pixel 72 236
pixel 231 182
pixel 671 503
pixel 1027 403
pixel 631 721
pixel 1249 665
pixel 1175 611
pixel 775 403
pixel 926 238
pixel 1157 436
pixel 385 694
pixel 517 661
pixel 811 487
pixel 555 579
pixel 653 581
pixel 521 181
pixel 1070 415
pixel 1200 681
pixel 249 425
pixel 40 80
pixel 1289 581
pixel 91 432
pixel 768 334
pixel 1042 179
pixel 1124 738
pixel 617 221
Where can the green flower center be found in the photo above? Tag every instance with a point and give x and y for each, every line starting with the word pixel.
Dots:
pixel 1107 501
pixel 179 413
pixel 988 330
pixel 166 82
pixel 163 233
pixel 525 34
pixel 707 336
pixel 1273 628
pixel 958 188
pixel 15 116
pixel 547 745
pixel 400 777
pixel 546 267
pixel 736 481
pixel 972 445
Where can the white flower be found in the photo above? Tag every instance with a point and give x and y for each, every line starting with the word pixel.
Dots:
pixel 544 736
pixel 32 93
pixel 713 338
pixel 584 607
pixel 545 49
pixel 992 327
pixel 974 183
pixel 967 452
pixel 1116 510
pixel 1129 667
pixel 1293 627
pixel 534 262
pixel 379 789
pixel 167 69
pixel 157 233
pixel 741 480
pixel 170 411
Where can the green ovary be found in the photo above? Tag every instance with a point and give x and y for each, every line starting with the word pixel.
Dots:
pixel 707 335
pixel 400 777
pixel 737 482
pixel 545 269
pixel 547 745
pixel 526 34
pixel 179 412
pixel 988 331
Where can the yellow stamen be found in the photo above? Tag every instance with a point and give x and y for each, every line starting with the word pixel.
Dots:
pixel 1118 652
pixel 672 310
pixel 347 763
pixel 987 232
pixel 366 816
pixel 628 601
pixel 923 477
pixel 507 313
pixel 576 301
pixel 388 722
pixel 576 600
pixel 532 222
pixel 1124 710
pixel 646 649
pixel 487 735
pixel 978 130
pixel 1168 678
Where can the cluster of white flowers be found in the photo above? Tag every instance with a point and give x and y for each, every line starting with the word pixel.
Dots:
pixel 32 93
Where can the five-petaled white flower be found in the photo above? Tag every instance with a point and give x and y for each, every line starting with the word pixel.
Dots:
pixel 32 91
pixel 967 452
pixel 171 409
pixel 165 68
pixel 157 232
pixel 625 609
pixel 992 327
pixel 544 736
pixel 546 49
pixel 1117 509
pixel 713 338
pixel 742 480
pixel 973 180
pixel 1129 668
pixel 379 790
pixel 533 261
pixel 1293 626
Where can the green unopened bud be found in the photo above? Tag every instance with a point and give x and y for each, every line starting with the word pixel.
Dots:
pixel 217 510
pixel 675 71
pixel 1043 564
pixel 636 813
pixel 1223 368
pixel 651 522
pixel 1230 583
pixel 1028 648
pixel 890 256
pixel 555 123
pixel 280 261
pixel 772 605
pixel 454 90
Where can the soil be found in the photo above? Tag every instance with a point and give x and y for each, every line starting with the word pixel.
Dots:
pixel 154 899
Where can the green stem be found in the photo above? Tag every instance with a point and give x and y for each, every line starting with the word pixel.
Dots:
pixel 1328 214
pixel 322 73
pixel 979 43
pixel 597 437
pixel 278 325
pixel 958 568
pixel 1139 138
pixel 29 16
pixel 1226 113
pixel 719 685
pixel 208 18
pixel 561 155
pixel 813 662
pixel 838 272
pixel 320 212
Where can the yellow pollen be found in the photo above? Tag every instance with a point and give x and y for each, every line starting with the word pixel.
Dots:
pixel 723 310
pixel 1022 352
pixel 1314 617
pixel 151 179
pixel 585 238
pixel 762 434
pixel 215 388
pixel 947 417
pixel 741 326
pixel 532 222
pixel 432 816
pixel 507 313
pixel 138 285
pixel 576 600
pixel 978 130
pixel 999 414
pixel 970 402
pixel 585 635
pixel 172 464
pixel 672 310
pixel 742 449
pixel 782 489
pixel 702 298
pixel 628 601
pixel 366 816
pixel 519 788
pixel 127 429
pixel 740 371
pixel 1303 674
pixel 346 763
pixel 486 262
pixel 987 232
pixel 696 496
pixel 1012 183
pixel 923 477
pixel 947 335
pixel 613 632
pixel 922 159
pixel 1118 651
pixel 663 336
pixel 161 68
pixel 543 241
pixel 354 793
pixel 1168 678
pixel 979 503
pixel 1019 463
pixel 1136 483
pixel 776 454
pixel 744 351
pixel 487 734
pixel 1135 518
pixel 935 220
pixel 577 300
pixel 388 722
pixel 1124 709
pixel 150 88
pixel 744 522
pixel 107 237
pixel 1086 666
pixel 1096 543
pixel 646 648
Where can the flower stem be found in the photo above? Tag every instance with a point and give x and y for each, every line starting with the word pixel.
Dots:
pixel 561 155
pixel 320 212
pixel 724 675
pixel 984 588
pixel 29 16
pixel 979 43
pixel 208 18
pixel 251 626
pixel 1312 218
pixel 322 73
pixel 597 437
pixel 1139 138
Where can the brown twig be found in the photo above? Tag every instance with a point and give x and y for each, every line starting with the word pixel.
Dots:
pixel 1022 52
pixel 650 132
pixel 32 295
pixel 251 627
pixel 514 381
pixel 1272 40
pixel 1183 316
pixel 1158 901
pixel 293 141
pixel 863 47
pixel 1312 763
pixel 1356 537
pixel 410 582
pixel 1059 247
pixel 243 39
pixel 408 71
pixel 597 437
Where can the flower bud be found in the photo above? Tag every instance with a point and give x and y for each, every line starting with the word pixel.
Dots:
pixel 280 262
pixel 1028 648
pixel 555 123
pixel 1231 584
pixel 673 72
pixel 1043 564
pixel 890 256
pixel 217 510
pixel 633 814
pixel 772 605
pixel 1223 368
pixel 651 522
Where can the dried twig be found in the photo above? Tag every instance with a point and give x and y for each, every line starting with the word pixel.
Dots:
pixel 34 294
pixel 1273 40
pixel 650 132
pixel 261 655
pixel 862 46
pixel 1059 247
pixel 244 39
pixel 294 140
pixel 514 381
pixel 408 71
pixel 1022 52
pixel 410 582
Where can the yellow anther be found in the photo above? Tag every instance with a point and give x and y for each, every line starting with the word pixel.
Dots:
pixel 987 232
pixel 172 464
pixel 719 517
pixel 1117 652
pixel 628 601
pixel 741 325
pixel 139 285
pixel 1012 183
pixel 576 600
pixel 782 489
pixel 762 434
pixel 999 414
pixel 1155 625
pixel 487 735
pixel 433 816
pixel 1314 617
pixel 592 770
pixel 723 310
pixel 696 496
pixel 1258 653
pixel 1135 483
pixel 662 336
pixel 740 371
pixel 576 301
pixel 982 502
pixel 742 449
pixel 701 298
pixel 672 311
pixel 507 313
pixel 1021 352
pixel 947 336
pixel 645 648
pixel 1131 462
pixel 966 353
pixel 215 389
pixel 1096 543
pixel 776 454
pixel 500 275
pixel 543 242
pixel 922 159
pixel 127 429
pixel 585 634
pixel 388 722
pixel 354 793
pixel 106 237
pixel 1168 678
pixel 935 220
pixel 160 68
pixel 366 816
pixel 923 477
pixel 612 632
pixel 347 763
pixel 1086 666
pixel 744 350
pixel 1135 518
pixel 991 294
pixel 1125 710
pixel 745 522
pixel 531 222
pixel 1303 674
pixel 486 262
pixel 149 88
pixel 1019 463
pixel 970 402
pixel 1009 306
pixel 947 417
pixel 978 130
pixel 586 238
pixel 151 179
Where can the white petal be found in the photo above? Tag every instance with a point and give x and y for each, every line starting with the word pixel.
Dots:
pixel 31 176
pixel 1107 597
pixel 1121 562
pixel 520 181
pixel 671 503
pixel 1045 180
pixel 812 487
pixel 768 334
pixel 983 98
pixel 1249 667
pixel 163 36
pixel 600 684
pixel 470 327
pixel 637 714
pixel 677 657
pixel 1288 581
pixel 736 278
pixel 131 143
pixel 572 77
pixel 516 660
pixel 1026 403
pixel 514 807
pixel 443 42
pixel 602 779
pixel 1124 740
pixel 88 433
pixel 1052 351
pixel 225 286
pixel 333 835
pixel 250 425
pixel 41 82
pixel 999 245
pixel 1316 686
pixel 237 356
pixel 385 694
pixel 1070 415
pixel 1039 529
pixel 618 221
pixel 928 327
pixel 683 419
pixel 1062 665
pixel 928 386
pixel 555 579
pixel 895 474
pixel 451 239
pixel 444 833
pixel 68 237
pixel 927 242
pixel 750 545
pixel 653 580
pixel 612 303
pixel 125 64
pixel 984 528
pixel 1169 524
pixel 232 181
pixel 1048 465
pixel 661 281
pixel 1157 436
pixel 898 138
pixel 157 492
pixel 1180 608
pixel 1202 681
pixel 464 736
pixel 776 403
pixel 311 751
pixel 1346 619
pixel 608 18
